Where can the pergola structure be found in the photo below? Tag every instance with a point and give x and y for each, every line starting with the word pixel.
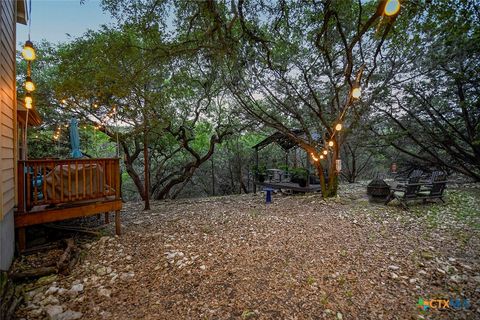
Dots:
pixel 286 143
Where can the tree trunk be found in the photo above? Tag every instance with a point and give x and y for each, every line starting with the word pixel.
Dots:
pixel 147 172
pixel 330 187
pixel 135 177
pixel 213 176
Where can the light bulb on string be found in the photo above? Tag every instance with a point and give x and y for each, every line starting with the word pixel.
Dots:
pixel 330 143
pixel 356 92
pixel 28 52
pixel 29 85
pixel 28 99
pixel 321 156
pixel 392 7
pixel 325 152
pixel 313 157
pixel 338 127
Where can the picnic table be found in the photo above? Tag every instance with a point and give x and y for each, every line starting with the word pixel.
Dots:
pixel 277 175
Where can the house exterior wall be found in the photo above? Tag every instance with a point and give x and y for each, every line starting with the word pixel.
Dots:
pixel 7 130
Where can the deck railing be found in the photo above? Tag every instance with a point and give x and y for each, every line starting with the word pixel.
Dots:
pixel 53 182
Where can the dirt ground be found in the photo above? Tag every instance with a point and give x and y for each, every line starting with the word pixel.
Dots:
pixel 298 258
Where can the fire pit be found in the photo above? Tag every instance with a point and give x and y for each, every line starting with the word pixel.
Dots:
pixel 378 190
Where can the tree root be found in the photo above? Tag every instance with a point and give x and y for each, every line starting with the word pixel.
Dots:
pixel 65 263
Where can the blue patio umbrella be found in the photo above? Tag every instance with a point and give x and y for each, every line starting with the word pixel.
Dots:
pixel 75 139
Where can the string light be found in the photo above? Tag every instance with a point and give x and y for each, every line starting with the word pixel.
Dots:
pixel 392 7
pixel 56 135
pixel 28 52
pixel 313 157
pixel 64 101
pixel 28 100
pixel 29 85
pixel 338 127
pixel 356 92
pixel 331 143
pixel 325 152
pixel 321 156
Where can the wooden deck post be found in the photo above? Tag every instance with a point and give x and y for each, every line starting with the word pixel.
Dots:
pixel 21 187
pixel 107 217
pixel 118 224
pixel 22 239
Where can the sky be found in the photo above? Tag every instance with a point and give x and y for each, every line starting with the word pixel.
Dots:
pixel 53 20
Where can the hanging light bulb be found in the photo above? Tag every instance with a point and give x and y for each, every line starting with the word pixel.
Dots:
pixel 28 99
pixel 356 92
pixel 28 105
pixel 29 85
pixel 338 127
pixel 392 7
pixel 28 51
pixel 330 143
pixel 325 152
pixel 321 156
pixel 64 101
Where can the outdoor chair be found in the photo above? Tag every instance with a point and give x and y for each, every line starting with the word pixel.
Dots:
pixel 404 178
pixel 435 190
pixel 405 192
pixel 436 175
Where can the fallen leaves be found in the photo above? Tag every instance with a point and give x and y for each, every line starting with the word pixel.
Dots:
pixel 299 257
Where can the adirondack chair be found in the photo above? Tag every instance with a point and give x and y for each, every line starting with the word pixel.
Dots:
pixel 415 173
pixel 435 190
pixel 405 192
pixel 436 176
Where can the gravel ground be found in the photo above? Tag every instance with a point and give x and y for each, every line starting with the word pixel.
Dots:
pixel 297 258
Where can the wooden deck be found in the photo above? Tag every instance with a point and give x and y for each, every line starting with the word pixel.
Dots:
pixel 55 190
pixel 289 186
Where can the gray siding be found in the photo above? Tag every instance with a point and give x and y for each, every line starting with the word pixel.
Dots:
pixel 7 130
pixel 7 245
